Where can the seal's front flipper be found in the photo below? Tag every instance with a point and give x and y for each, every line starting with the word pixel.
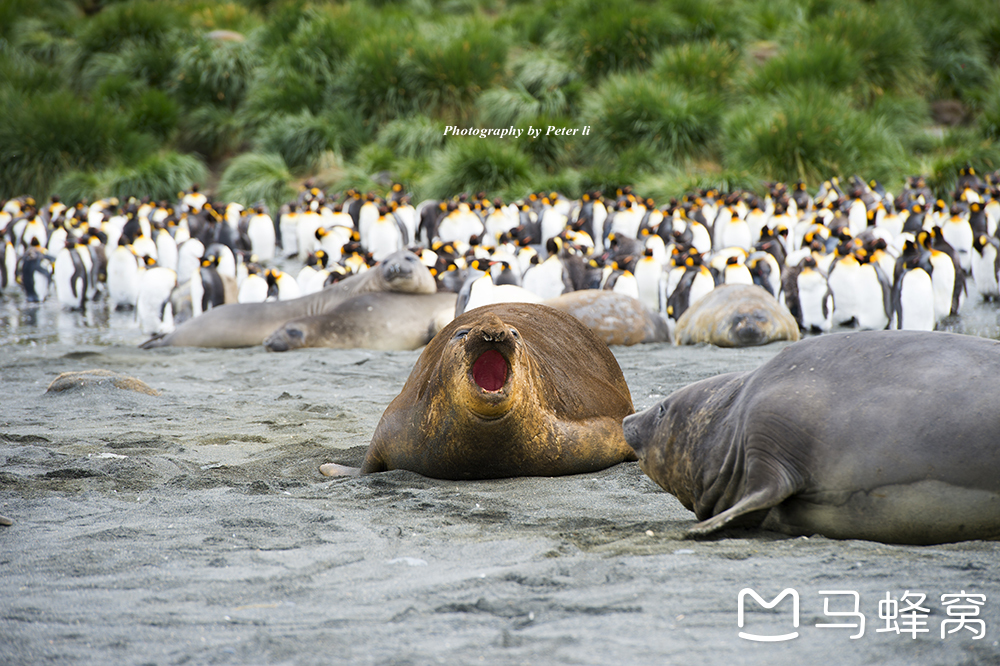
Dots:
pixel 154 342
pixel 763 499
pixel 4 520
pixel 333 469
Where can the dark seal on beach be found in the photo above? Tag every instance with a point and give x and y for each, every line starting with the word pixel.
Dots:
pixel 379 320
pixel 886 436
pixel 69 381
pixel 249 324
pixel 618 319
pixel 736 315
pixel 515 389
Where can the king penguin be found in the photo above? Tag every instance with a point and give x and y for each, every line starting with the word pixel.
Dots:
pixel 986 266
pixel 806 293
pixel 71 275
pixel 153 308
pixel 123 278
pixel 34 273
pixel 913 292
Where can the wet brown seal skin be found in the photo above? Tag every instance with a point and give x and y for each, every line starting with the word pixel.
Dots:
pixel 736 315
pixel 514 389
pixel 382 320
pixel 616 318
pixel 887 436
pixel 248 324
pixel 76 380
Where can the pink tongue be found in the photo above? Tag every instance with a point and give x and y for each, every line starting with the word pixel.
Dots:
pixel 490 370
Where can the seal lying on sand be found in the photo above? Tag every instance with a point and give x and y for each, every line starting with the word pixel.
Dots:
pixel 882 435
pixel 515 389
pixel 618 319
pixel 380 320
pixel 736 315
pixel 248 324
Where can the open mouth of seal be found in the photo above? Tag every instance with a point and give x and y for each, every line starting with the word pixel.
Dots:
pixel 490 371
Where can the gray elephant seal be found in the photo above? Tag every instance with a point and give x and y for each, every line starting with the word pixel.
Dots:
pixel 514 389
pixel 888 436
pixel 69 381
pixel 383 320
pixel 248 324
pixel 618 319
pixel 736 315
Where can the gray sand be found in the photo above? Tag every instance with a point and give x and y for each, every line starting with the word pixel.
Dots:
pixel 193 527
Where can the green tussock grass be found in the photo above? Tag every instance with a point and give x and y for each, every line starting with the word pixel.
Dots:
pixel 476 164
pixel 412 137
pixel 709 66
pixel 302 138
pixel 158 177
pixel 211 72
pixel 211 131
pixel 452 65
pixel 254 177
pixel 44 135
pixel 677 92
pixel 617 36
pixel 632 110
pixel 811 133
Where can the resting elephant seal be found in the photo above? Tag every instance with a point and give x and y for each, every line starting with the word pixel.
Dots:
pixel 887 436
pixel 381 320
pixel 736 315
pixel 618 319
pixel 515 389
pixel 248 324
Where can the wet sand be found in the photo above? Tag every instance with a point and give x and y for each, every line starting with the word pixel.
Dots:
pixel 193 527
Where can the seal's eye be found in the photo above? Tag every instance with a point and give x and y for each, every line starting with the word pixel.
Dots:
pixel 514 332
pixel 460 334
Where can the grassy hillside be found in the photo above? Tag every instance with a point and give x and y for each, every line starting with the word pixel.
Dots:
pixel 250 98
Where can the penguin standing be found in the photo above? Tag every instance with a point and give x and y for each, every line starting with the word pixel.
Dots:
pixel 479 291
pixel 946 275
pixel 8 264
pixel 957 231
pixel 765 271
pixel 735 272
pixel 696 282
pixel 260 234
pixel 71 275
pixel 281 286
pixel 166 248
pixel 305 229
pixel 288 226
pixel 189 254
pixel 913 291
pixel 153 308
pixel 986 266
pixel 123 278
pixel 548 278
pixel 333 239
pixel 806 293
pixel 384 235
pixel 846 284
pixel 650 280
pixel 214 288
pixel 874 305
pixel 729 230
pixel 34 273
pixel 254 287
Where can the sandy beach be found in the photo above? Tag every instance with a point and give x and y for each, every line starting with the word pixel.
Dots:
pixel 193 527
